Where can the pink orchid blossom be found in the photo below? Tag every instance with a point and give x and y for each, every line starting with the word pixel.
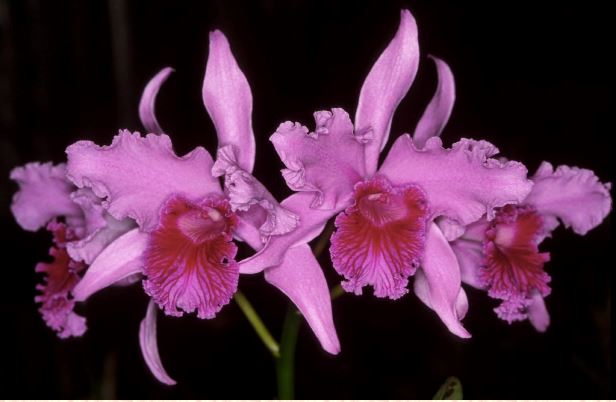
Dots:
pixel 44 197
pixel 502 256
pixel 385 216
pixel 183 245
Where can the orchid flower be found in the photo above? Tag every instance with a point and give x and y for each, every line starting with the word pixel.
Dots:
pixel 503 257
pixel 385 215
pixel 44 197
pixel 183 245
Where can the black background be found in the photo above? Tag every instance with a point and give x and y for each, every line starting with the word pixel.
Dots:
pixel 531 78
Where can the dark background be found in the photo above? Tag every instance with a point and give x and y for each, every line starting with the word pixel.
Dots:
pixel 532 79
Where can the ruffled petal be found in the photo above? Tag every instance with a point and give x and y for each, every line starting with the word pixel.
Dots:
pixel 436 115
pixel 228 100
pixel 245 192
pixel 328 161
pixel 300 278
pixel 149 346
pixel 380 238
pixel 537 313
pixel 312 221
pixel 573 195
pixel 513 267
pixel 44 194
pixel 190 258
pixel 438 285
pixel 136 174
pixel 61 276
pixel 117 261
pixel 148 101
pixel 470 258
pixel 513 263
pixel 386 84
pixel 461 183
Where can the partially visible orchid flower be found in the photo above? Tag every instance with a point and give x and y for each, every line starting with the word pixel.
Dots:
pixel 502 256
pixel 183 245
pixel 385 216
pixel 44 198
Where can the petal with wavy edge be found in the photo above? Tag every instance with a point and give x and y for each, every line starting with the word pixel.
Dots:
pixel 437 283
pixel 386 84
pixel 190 258
pixel 136 174
pixel 328 161
pixel 573 195
pixel 149 345
pixel 461 183
pixel 312 221
pixel 301 278
pixel 44 193
pixel 436 115
pixel 120 259
pixel 245 192
pixel 379 239
pixel 148 101
pixel 228 100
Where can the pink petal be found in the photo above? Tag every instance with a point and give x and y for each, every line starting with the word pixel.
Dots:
pixel 513 266
pixel 437 284
pixel 380 238
pixel 538 313
pixel 189 261
pixel 93 218
pixel 228 100
pixel 573 195
pixel 300 278
pixel 248 233
pixel 312 222
pixel 245 192
pixel 450 228
pixel 44 194
pixel 61 276
pixel 136 174
pixel 387 83
pixel 462 183
pixel 148 101
pixel 470 258
pixel 513 263
pixel 149 346
pixel 89 248
pixel 117 261
pixel 437 113
pixel 328 161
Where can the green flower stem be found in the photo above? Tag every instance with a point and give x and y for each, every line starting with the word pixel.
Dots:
pixel 285 365
pixel 254 319
pixel 336 292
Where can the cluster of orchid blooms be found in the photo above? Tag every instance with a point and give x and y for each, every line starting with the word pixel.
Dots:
pixel 135 211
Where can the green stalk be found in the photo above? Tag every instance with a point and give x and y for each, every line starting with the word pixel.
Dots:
pixel 285 365
pixel 256 322
pixel 336 292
